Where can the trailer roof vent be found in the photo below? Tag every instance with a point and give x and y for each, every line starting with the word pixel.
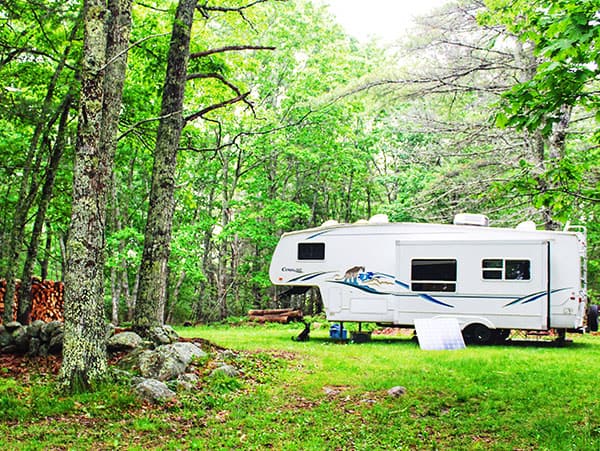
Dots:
pixel 379 219
pixel 329 223
pixel 471 219
pixel 527 225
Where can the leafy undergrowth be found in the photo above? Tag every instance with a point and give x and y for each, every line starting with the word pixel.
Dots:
pixel 321 395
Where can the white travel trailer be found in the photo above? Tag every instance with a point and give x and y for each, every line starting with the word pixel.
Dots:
pixel 490 279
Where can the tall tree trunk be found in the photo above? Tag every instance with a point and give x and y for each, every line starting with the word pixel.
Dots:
pixel 24 310
pixel 115 295
pixel 84 349
pixel 47 250
pixel 149 310
pixel 556 151
pixel 119 28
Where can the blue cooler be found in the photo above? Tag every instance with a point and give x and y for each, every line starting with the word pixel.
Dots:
pixel 337 333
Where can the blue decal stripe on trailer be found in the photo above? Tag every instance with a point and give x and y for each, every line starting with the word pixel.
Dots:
pixel 436 301
pixel 533 297
pixel 402 284
pixel 374 291
pixel 317 234
pixel 309 276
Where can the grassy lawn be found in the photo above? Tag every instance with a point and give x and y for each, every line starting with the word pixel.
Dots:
pixel 322 395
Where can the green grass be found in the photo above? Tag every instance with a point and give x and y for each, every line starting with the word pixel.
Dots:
pixel 322 395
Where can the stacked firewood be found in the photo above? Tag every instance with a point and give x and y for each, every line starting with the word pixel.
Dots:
pixel 47 298
pixel 283 316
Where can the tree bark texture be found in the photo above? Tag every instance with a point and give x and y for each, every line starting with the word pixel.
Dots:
pixel 150 305
pixel 84 348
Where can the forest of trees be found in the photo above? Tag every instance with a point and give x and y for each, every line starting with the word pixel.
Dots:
pixel 153 152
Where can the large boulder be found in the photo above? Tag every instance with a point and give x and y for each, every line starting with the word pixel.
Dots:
pixel 125 341
pixel 154 391
pixel 167 362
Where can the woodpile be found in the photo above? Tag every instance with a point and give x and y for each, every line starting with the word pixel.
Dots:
pixel 282 316
pixel 47 297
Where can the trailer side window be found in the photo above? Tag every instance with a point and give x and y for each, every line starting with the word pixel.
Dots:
pixel 517 270
pixel 433 275
pixel 311 251
pixel 492 269
pixel 498 269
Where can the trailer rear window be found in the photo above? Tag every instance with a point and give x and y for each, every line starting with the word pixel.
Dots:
pixel 433 275
pixel 311 251
pixel 499 269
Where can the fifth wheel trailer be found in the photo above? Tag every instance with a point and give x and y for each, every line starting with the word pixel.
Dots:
pixel 491 280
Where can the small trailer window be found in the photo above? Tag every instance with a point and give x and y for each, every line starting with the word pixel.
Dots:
pixel 433 275
pixel 498 269
pixel 311 251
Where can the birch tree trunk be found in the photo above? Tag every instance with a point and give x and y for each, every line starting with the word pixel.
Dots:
pixel 84 349
pixel 150 305
pixel 119 29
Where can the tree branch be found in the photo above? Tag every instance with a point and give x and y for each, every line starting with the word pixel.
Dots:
pixel 230 48
pixel 144 121
pixel 135 44
pixel 218 77
pixel 216 106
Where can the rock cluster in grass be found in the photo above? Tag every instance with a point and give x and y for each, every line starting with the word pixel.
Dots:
pixel 36 339
pixel 164 363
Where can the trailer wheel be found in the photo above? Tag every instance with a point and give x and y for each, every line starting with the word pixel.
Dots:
pixel 592 318
pixel 478 334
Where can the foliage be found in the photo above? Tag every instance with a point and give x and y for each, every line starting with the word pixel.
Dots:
pixel 564 35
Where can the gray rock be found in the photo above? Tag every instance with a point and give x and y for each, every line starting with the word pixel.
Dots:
pixel 21 339
pixel 35 328
pixel 187 381
pixel 12 326
pixel 168 361
pixel 56 344
pixel 225 370
pixel 125 341
pixel 187 351
pixel 110 330
pixel 50 329
pixel 43 351
pixel 397 391
pixel 10 349
pixel 6 338
pixel 162 335
pixel 155 391
pixel 160 364
pixel 228 354
pixel 34 346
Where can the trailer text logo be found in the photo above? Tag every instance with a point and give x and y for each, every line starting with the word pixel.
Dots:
pixel 298 270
